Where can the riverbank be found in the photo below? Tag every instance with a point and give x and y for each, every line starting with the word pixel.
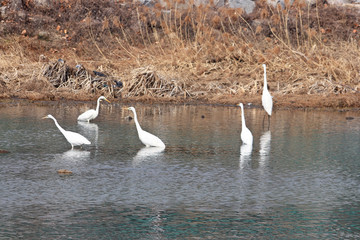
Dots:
pixel 196 55
pixel 291 103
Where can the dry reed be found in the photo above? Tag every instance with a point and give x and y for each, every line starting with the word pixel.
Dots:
pixel 174 51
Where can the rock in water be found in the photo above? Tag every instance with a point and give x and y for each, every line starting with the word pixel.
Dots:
pixel 64 171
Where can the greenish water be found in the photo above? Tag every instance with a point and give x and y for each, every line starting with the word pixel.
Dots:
pixel 300 180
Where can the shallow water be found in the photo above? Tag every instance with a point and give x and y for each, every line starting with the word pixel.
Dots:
pixel 300 180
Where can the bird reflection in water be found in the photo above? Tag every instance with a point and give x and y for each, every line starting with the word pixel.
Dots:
pixel 264 151
pixel 263 174
pixel 245 154
pixel 71 160
pixel 91 130
pixel 75 154
pixel 148 153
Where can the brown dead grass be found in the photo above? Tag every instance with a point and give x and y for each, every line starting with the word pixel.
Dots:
pixel 197 54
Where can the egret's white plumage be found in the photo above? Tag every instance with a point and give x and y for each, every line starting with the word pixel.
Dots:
pixel 146 138
pixel 92 113
pixel 246 135
pixel 266 98
pixel 75 139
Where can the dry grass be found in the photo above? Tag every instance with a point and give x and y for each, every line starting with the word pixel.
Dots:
pixel 61 75
pixel 200 53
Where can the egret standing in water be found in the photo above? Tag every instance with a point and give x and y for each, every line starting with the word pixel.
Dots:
pixel 92 113
pixel 146 138
pixel 246 135
pixel 73 138
pixel 266 98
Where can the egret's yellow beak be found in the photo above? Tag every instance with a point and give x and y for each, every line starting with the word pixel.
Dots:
pixel 125 108
pixel 44 117
pixel 107 100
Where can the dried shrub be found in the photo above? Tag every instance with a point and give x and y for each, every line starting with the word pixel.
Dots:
pixel 60 75
pixel 145 81
pixel 200 52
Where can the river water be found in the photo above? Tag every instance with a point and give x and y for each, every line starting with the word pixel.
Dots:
pixel 300 180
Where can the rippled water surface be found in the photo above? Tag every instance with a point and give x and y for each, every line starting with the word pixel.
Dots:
pixel 300 180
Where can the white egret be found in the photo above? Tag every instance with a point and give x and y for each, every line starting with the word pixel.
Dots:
pixel 92 113
pixel 246 135
pixel 148 139
pixel 266 98
pixel 73 138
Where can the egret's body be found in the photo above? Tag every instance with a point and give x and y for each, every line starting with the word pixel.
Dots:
pixel 266 98
pixel 146 138
pixel 75 139
pixel 246 135
pixel 92 113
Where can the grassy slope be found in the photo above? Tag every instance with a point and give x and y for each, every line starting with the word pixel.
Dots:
pixel 201 54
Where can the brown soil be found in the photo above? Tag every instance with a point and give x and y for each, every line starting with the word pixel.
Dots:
pixel 175 54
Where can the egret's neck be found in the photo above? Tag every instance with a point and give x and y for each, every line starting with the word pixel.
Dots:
pixel 98 105
pixel 265 81
pixel 136 121
pixel 242 118
pixel 58 126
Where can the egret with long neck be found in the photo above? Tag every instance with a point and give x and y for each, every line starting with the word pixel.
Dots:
pixel 146 138
pixel 266 98
pixel 246 135
pixel 92 114
pixel 75 139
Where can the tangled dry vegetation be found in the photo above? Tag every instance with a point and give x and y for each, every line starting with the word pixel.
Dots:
pixel 178 53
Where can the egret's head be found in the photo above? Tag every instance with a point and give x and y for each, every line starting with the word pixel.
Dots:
pixel 104 98
pixel 264 65
pixel 129 108
pixel 47 116
pixel 240 105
